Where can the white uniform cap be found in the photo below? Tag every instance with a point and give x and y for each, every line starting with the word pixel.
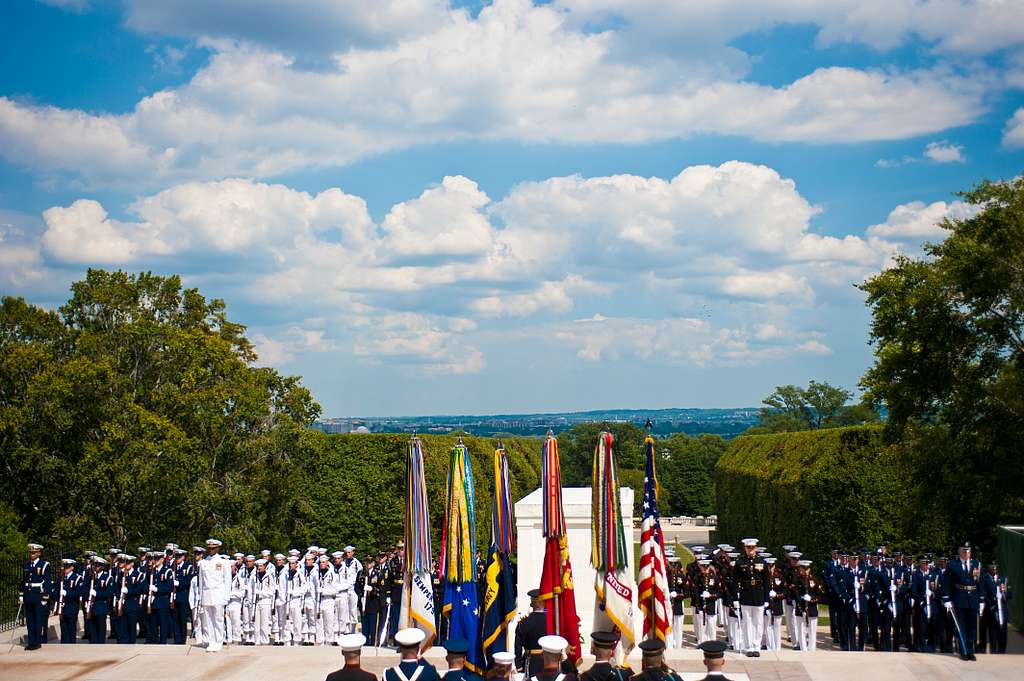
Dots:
pixel 293 552
pixel 321 551
pixel 350 548
pixel 68 561
pixel 311 549
pixel 99 560
pixel 553 644
pixel 805 563
pixel 324 559
pixel 750 542
pixel 261 561
pixel 698 548
pixel 410 637
pixel 214 542
pixel 265 552
pixel 770 560
pixel 352 642
pixel 279 556
pixel 238 555
pixel 338 554
pixel 723 546
pixel 35 547
pixel 788 547
pixel 733 554
pixel 250 557
pixel 503 657
pixel 704 561
pixel 795 554
pixel 293 559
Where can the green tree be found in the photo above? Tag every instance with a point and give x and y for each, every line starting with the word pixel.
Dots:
pixel 685 472
pixel 134 413
pixel 819 405
pixel 948 333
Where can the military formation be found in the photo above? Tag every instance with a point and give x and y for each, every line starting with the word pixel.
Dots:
pixel 170 595
pixel 886 601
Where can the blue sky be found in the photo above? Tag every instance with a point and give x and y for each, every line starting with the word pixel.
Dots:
pixel 495 207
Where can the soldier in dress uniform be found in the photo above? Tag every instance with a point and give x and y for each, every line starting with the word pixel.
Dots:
pixel 886 587
pixel 807 595
pixel 213 579
pixel 529 631
pixel 437 587
pixel 857 606
pixel 652 663
pixel 552 652
pixel 160 587
pixel 962 599
pixel 36 586
pixel 351 649
pixel 127 599
pixel 411 667
pixel 456 650
pixel 994 595
pixel 114 555
pixel 263 590
pixel 330 583
pixel 504 662
pixel 372 588
pixel 101 592
pixel 714 660
pixel 67 599
pixel 774 612
pixel 925 602
pixel 678 590
pixel 602 647
pixel 396 574
pixel 707 591
pixel 181 613
pixel 348 594
pixel 751 597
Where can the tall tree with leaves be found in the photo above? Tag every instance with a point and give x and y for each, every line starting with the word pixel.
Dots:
pixel 819 405
pixel 135 413
pixel 948 332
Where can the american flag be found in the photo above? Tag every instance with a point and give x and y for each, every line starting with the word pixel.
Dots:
pixel 654 594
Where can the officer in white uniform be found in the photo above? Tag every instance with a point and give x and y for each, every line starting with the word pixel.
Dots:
pixel 214 578
pixel 280 626
pixel 348 605
pixel 327 630
pixel 295 590
pixel 233 609
pixel 263 587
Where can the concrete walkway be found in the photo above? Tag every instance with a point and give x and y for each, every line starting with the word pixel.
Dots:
pixel 113 662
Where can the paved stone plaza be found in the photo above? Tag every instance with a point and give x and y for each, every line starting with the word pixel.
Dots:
pixel 185 663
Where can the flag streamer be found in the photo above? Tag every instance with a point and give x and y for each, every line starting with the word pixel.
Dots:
pixel 654 591
pixel 417 607
pixel 500 575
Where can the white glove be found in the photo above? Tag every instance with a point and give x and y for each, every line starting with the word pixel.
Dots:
pixel 705 594
pixel 388 601
pixel 152 588
pixel 175 583
pixel 771 594
pixel 981 610
pixel 767 605
pixel 671 594
pixel 92 593
pixel 949 606
pixel 736 605
pixel 124 590
pixel 21 600
pixel 807 597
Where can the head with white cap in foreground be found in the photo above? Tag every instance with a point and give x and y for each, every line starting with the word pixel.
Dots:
pixel 503 662
pixel 553 647
pixel 352 648
pixel 409 641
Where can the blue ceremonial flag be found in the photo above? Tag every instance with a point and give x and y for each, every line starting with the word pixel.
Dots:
pixel 500 575
pixel 463 612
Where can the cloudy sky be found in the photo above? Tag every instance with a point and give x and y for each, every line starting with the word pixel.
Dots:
pixel 429 207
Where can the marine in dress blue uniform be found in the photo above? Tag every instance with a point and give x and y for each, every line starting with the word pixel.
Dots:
pixel 411 667
pixel 36 586
pixel 962 598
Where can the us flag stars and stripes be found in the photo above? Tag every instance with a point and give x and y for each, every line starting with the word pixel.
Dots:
pixel 654 592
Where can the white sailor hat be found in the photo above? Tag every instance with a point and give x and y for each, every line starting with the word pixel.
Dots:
pixel 338 554
pixel 324 559
pixel 293 552
pixel 250 557
pixel 293 559
pixel 503 657
pixel 279 556
pixel 68 561
pixel 553 644
pixel 410 637
pixel 350 548
pixel 321 551
pixel 212 543
pixel 237 554
pixel 352 642
pixel 311 549
pixel 261 561
pixel 805 563
pixel 265 552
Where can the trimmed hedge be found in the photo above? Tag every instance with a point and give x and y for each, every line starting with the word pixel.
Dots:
pixel 815 489
pixel 356 484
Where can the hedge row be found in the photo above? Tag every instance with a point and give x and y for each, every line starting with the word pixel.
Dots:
pixel 815 489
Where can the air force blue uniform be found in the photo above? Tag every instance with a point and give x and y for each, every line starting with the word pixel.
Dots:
pixel 68 593
pixel 36 585
pixel 962 590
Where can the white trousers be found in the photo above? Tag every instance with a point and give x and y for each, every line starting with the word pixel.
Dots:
pixel 247 624
pixel 327 632
pixel 280 628
pixel 788 611
pixel 233 613
pixel 678 623
pixel 348 611
pixel 310 620
pixel 735 633
pixel 295 622
pixel 773 632
pixel 753 626
pixel 261 632
pixel 707 627
pixel 213 626
pixel 197 626
pixel 807 633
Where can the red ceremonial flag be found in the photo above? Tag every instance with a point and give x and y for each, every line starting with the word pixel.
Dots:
pixel 654 594
pixel 556 586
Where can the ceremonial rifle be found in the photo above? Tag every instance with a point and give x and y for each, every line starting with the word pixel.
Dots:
pixel 60 600
pixel 92 593
pixel 149 594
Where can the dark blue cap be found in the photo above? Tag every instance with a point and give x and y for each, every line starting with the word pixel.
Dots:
pixel 457 646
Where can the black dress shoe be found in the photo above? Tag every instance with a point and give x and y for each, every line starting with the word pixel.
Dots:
pixel 757 653
pixel 972 658
pixel 34 646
